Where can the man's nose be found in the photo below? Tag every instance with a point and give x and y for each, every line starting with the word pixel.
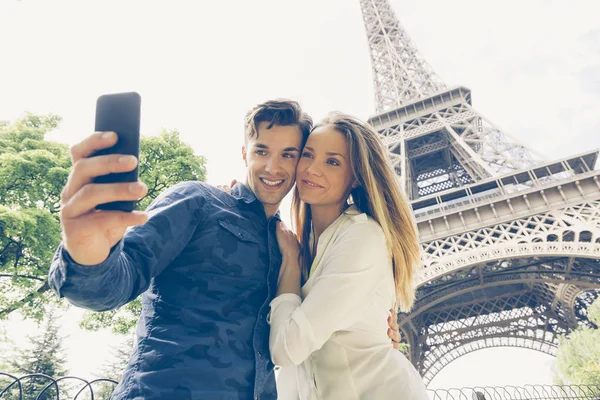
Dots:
pixel 273 166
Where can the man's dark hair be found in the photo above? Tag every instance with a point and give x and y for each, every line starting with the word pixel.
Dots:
pixel 280 112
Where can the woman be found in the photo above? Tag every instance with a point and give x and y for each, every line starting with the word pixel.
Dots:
pixel 355 261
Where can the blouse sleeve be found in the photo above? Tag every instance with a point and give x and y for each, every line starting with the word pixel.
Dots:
pixel 351 274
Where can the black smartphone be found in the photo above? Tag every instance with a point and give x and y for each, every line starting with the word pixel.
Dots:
pixel 120 113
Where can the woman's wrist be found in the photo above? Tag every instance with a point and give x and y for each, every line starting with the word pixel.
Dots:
pixel 289 280
pixel 290 257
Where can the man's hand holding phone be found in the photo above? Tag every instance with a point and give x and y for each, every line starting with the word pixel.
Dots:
pixel 98 200
pixel 89 234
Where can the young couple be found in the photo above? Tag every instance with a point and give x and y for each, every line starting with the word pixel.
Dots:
pixel 227 290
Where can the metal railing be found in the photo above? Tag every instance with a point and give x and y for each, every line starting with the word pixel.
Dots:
pixel 44 387
pixel 529 392
pixel 48 388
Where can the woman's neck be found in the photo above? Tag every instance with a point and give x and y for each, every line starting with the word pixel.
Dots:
pixel 323 216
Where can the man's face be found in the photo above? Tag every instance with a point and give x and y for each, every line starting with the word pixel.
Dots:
pixel 271 158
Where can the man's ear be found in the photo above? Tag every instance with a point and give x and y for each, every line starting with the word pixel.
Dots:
pixel 244 155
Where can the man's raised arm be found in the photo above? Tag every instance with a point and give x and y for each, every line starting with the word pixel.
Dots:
pixel 98 265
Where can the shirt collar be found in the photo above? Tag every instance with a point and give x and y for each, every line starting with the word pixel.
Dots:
pixel 277 216
pixel 352 210
pixel 242 192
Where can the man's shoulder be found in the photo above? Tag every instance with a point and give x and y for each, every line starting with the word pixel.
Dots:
pixel 186 192
pixel 196 195
pixel 182 190
pixel 192 189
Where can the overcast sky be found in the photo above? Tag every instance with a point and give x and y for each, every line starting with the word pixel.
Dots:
pixel 533 67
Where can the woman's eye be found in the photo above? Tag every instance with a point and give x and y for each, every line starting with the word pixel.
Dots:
pixel 333 162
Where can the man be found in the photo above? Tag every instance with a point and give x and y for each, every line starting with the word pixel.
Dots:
pixel 206 263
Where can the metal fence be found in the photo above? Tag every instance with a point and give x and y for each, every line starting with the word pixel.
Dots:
pixel 518 393
pixel 43 387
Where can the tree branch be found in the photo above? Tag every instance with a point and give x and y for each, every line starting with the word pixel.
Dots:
pixel 18 304
pixel 9 242
pixel 18 255
pixel 22 276
pixel 143 169
pixel 9 248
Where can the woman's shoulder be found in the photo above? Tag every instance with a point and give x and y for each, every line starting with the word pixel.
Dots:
pixel 361 225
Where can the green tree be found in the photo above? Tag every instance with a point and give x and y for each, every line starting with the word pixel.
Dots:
pixel 5 355
pixel 33 172
pixel 578 356
pixel 5 352
pixel 45 356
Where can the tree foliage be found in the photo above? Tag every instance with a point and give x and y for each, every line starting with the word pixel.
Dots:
pixel 6 346
pixel 33 172
pixel 578 356
pixel 44 356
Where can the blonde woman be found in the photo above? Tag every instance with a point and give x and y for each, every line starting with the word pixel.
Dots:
pixel 356 257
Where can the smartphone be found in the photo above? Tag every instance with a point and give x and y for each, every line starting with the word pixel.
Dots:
pixel 119 113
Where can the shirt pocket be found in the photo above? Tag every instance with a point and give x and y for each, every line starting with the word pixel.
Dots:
pixel 235 250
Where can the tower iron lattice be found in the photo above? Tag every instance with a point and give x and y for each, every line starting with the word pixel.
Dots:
pixel 510 241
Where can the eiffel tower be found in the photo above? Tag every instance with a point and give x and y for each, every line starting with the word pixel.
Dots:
pixel 510 241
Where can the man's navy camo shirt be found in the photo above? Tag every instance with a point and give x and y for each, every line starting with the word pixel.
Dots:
pixel 206 264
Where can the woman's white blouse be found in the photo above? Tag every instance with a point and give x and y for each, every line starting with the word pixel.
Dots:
pixel 333 343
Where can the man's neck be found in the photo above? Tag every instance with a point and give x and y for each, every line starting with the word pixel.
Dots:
pixel 271 209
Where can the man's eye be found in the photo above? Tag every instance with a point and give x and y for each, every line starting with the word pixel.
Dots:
pixel 261 152
pixel 306 154
pixel 289 155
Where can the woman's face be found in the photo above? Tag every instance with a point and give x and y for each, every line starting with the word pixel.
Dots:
pixel 324 174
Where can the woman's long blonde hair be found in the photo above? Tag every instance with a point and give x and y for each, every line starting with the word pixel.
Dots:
pixel 378 194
